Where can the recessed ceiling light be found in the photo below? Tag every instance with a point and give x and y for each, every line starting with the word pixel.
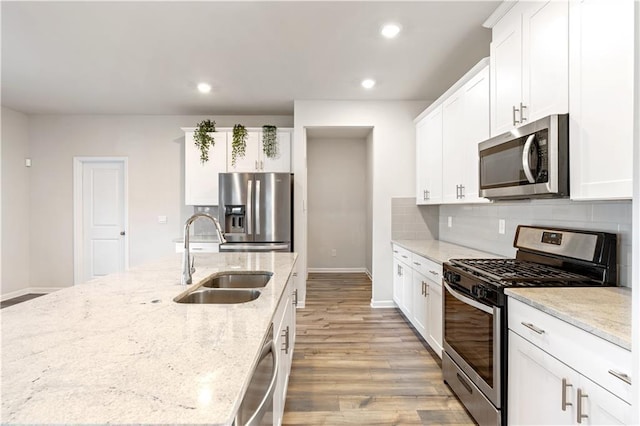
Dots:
pixel 204 87
pixel 390 30
pixel 368 83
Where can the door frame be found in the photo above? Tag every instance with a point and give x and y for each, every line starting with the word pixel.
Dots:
pixel 78 167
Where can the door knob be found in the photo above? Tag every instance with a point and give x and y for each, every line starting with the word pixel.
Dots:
pixel 122 233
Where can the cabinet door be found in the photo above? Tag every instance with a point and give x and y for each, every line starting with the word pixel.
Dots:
pixel 397 283
pixel 601 406
pixel 433 135
pixel 201 180
pixel 434 317
pixel 476 129
pixel 601 99
pixel 545 68
pixel 421 161
pixel 407 292
pixel 452 146
pixel 535 386
pixel 282 161
pixel 248 163
pixel 506 71
pixel 420 303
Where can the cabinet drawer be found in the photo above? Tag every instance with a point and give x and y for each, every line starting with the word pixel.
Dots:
pixel 402 254
pixel 426 267
pixel 586 353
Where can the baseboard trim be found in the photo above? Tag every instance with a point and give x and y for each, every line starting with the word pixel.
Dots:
pixel 383 304
pixel 366 271
pixel 337 270
pixel 29 290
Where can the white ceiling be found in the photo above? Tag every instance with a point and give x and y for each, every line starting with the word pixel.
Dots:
pixel 147 57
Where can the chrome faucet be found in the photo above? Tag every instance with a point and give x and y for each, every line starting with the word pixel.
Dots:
pixel 187 264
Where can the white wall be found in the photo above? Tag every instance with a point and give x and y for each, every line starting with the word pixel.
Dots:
pixel 15 204
pixel 369 189
pixel 393 155
pixel 154 146
pixel 337 219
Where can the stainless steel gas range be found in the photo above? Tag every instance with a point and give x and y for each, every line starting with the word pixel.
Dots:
pixel 475 308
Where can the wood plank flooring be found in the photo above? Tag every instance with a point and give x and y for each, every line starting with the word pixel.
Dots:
pixel 357 365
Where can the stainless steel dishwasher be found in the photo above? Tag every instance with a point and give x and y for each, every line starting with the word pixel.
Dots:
pixel 257 404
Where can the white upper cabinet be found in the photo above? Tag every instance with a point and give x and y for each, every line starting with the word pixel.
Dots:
pixel 201 180
pixel 465 123
pixel 529 64
pixel 255 160
pixel 601 99
pixel 429 158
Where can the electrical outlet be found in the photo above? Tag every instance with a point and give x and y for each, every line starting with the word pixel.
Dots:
pixel 333 252
pixel 501 226
pixel 449 221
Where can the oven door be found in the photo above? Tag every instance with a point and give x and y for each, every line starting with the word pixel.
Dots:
pixel 472 338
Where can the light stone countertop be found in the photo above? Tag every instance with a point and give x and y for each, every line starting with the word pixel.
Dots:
pixel 602 311
pixel 119 350
pixel 441 252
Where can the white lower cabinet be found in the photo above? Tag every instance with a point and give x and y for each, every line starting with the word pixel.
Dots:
pixel 417 291
pixel 555 385
pixel 284 326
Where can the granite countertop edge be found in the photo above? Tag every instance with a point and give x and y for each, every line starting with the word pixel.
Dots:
pixel 441 251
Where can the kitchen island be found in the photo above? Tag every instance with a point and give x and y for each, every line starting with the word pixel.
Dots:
pixel 118 349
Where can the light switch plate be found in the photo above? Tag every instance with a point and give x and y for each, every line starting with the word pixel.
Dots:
pixel 501 226
pixel 449 221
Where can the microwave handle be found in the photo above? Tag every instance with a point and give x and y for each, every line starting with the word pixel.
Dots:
pixel 525 158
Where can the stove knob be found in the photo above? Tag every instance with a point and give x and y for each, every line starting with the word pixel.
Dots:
pixel 452 277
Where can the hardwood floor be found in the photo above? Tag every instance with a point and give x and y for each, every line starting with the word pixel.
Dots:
pixel 357 365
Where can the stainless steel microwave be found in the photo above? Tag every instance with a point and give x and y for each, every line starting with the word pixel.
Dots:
pixel 531 161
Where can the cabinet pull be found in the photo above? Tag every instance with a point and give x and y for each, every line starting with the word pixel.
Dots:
pixel 515 122
pixel 532 327
pixel 256 167
pixel 416 263
pixel 428 194
pixel 295 297
pixel 461 191
pixel 426 290
pixel 395 251
pixel 522 117
pixel 565 385
pixel 422 291
pixel 622 376
pixel 433 272
pixel 406 257
pixel 581 416
pixel 400 270
pixel 285 334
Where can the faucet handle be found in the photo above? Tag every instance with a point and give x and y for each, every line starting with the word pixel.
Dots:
pixel 193 264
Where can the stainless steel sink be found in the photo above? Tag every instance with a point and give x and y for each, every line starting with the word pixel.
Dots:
pixel 238 279
pixel 219 296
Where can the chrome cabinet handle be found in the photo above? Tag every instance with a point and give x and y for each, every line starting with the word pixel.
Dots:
pixel 522 108
pixel 428 194
pixel 422 291
pixel 395 251
pixel 515 122
pixel 256 166
pixel 461 191
pixel 295 297
pixel 285 334
pixel 580 415
pixel 405 256
pixel 433 272
pixel 565 385
pixel 622 376
pixel 416 263
pixel 532 327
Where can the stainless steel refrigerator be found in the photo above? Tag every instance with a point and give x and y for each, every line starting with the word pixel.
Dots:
pixel 255 211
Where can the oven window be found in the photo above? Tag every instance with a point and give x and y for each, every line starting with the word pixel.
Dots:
pixel 469 331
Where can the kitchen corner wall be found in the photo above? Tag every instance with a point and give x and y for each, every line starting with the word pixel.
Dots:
pixel 476 226
pixel 14 275
pixel 154 145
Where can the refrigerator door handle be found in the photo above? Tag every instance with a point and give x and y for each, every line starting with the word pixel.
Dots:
pixel 249 206
pixel 257 212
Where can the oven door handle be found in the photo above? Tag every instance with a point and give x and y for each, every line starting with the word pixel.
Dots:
pixel 467 300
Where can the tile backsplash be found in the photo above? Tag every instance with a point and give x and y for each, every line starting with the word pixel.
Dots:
pixel 408 222
pixel 476 226
pixel 204 227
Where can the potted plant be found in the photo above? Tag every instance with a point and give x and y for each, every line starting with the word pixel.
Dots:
pixel 238 143
pixel 270 141
pixel 203 139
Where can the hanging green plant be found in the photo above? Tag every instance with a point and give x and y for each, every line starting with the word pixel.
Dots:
pixel 270 141
pixel 203 139
pixel 238 143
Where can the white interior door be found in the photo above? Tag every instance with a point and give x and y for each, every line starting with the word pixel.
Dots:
pixel 103 218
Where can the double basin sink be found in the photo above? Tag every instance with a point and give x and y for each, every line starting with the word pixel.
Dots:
pixel 227 288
